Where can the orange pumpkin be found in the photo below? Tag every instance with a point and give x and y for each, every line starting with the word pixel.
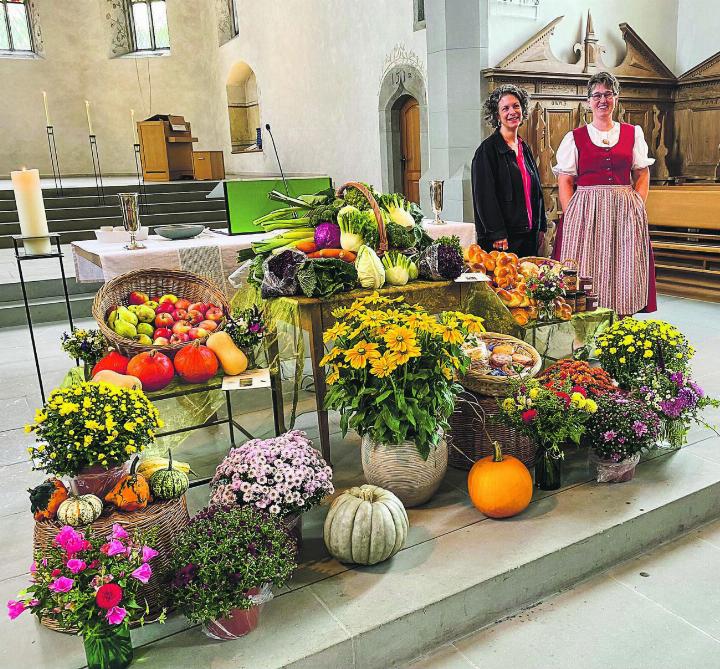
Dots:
pixel 500 485
pixel 46 498
pixel 131 492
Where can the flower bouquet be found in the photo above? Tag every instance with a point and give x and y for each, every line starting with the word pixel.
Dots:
pixel 224 563
pixel 545 287
pixel 594 380
pixel 247 329
pixel 91 585
pixel 283 475
pixel 85 345
pixel 622 427
pixel 550 417
pixel 89 431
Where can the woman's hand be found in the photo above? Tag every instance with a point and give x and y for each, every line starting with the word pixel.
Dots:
pixel 500 244
pixel 641 180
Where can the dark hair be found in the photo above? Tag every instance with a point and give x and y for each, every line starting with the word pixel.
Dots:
pixel 490 106
pixel 606 79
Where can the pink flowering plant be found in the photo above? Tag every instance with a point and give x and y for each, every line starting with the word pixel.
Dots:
pixel 89 583
pixel 283 475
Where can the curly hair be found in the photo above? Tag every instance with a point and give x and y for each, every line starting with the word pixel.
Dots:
pixel 605 79
pixel 490 106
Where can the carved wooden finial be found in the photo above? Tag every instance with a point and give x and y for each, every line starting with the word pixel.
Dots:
pixel 589 31
pixel 592 48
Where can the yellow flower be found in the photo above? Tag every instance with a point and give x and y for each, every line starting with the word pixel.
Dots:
pixel 87 439
pixel 590 406
pixel 473 324
pixel 613 350
pixel 576 399
pixel 327 359
pixel 679 355
pixel 509 403
pixel 534 392
pixel 359 354
pixel 629 339
pixel 68 408
pixel 447 372
pixel 401 357
pixel 383 366
pixel 334 376
pixel 40 416
pixel 28 428
pixel 648 354
pixel 337 330
pixel 129 426
pixel 450 333
pixel 631 349
pixel 399 339
pixel 622 360
pixel 423 322
pixel 597 351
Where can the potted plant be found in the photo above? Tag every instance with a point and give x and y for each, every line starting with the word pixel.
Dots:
pixel 89 431
pixel 282 475
pixel 550 417
pixel 392 378
pixel 90 585
pixel 88 346
pixel 545 288
pixel 622 427
pixel 247 329
pixel 224 563
pixel 595 381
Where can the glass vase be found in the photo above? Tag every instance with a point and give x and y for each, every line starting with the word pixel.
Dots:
pixel 548 469
pixel 673 435
pixel 110 649
pixel 546 311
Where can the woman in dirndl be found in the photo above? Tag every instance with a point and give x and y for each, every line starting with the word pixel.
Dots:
pixel 603 181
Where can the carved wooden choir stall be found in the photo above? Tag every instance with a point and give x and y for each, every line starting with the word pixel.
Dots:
pixel 680 117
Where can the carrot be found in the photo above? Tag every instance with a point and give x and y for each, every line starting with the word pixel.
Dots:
pixel 341 254
pixel 306 247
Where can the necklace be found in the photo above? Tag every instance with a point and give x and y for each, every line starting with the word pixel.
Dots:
pixel 605 135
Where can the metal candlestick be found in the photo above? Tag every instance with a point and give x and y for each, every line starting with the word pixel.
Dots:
pixel 131 218
pixel 436 199
pixel 95 154
pixel 54 160
pixel 140 178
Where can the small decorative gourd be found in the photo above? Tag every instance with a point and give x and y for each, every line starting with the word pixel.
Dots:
pixel 131 492
pixel 169 483
pixel 46 499
pixel 365 525
pixel 80 510
pixel 500 485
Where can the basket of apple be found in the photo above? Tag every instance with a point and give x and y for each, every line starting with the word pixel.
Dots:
pixel 158 309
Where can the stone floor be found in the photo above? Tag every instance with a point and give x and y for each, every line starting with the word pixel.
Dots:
pixel 331 615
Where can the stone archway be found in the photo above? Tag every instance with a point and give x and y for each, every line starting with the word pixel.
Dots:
pixel 399 82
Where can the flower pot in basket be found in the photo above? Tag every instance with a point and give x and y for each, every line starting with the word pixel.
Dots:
pixel 98 480
pixel 109 650
pixel 610 471
pixel 401 469
pixel 239 622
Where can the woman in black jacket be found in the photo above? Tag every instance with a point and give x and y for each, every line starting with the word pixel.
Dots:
pixel 507 197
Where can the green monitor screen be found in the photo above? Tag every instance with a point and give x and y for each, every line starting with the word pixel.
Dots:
pixel 247 199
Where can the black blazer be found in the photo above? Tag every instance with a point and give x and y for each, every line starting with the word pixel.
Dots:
pixel 498 196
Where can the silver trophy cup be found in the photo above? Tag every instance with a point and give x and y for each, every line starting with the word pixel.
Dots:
pixel 131 218
pixel 436 199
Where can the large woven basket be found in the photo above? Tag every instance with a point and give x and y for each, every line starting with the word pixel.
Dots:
pixel 496 386
pixel 168 517
pixel 383 243
pixel 468 441
pixel 153 282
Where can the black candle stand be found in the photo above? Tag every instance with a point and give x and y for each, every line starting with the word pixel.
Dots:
pixel 96 169
pixel 57 177
pixel 140 179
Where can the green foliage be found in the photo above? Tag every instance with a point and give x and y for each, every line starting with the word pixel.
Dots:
pixel 323 277
pixel 399 237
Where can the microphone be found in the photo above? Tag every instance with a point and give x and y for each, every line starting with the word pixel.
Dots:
pixel 277 157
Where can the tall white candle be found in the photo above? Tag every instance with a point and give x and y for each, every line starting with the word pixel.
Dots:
pixel 47 112
pixel 87 111
pixel 31 210
pixel 134 126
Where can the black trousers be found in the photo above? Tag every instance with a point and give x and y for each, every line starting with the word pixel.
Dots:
pixel 521 245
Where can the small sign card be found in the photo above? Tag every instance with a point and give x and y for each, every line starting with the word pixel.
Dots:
pixel 472 277
pixel 254 378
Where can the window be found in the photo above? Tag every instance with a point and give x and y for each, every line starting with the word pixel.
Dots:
pixel 418 14
pixel 15 31
pixel 148 20
pixel 232 7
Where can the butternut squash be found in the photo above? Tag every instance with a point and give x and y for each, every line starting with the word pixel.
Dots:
pixel 115 379
pixel 232 359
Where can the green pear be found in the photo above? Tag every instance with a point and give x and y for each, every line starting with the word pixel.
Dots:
pixel 152 304
pixel 134 308
pixel 125 329
pixel 124 314
pixel 143 339
pixel 145 329
pixel 112 318
pixel 145 314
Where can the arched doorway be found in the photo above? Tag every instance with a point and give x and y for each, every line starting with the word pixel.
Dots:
pixel 243 109
pixel 410 158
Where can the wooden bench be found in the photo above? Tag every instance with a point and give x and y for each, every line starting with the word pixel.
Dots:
pixel 685 236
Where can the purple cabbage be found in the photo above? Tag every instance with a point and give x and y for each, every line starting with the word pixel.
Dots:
pixel 327 235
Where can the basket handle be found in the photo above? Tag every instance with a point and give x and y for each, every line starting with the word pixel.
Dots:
pixel 383 243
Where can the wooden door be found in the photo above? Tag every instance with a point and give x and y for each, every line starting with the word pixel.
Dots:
pixel 410 148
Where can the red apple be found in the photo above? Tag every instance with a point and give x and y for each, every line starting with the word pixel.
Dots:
pixel 179 338
pixel 164 320
pixel 165 308
pixel 214 314
pixel 161 341
pixel 198 306
pixel 182 303
pixel 180 314
pixel 136 297
pixel 197 333
pixel 210 326
pixel 162 332
pixel 168 298
pixel 195 316
pixel 181 326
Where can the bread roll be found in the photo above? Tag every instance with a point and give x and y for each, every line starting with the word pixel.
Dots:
pixel 521 317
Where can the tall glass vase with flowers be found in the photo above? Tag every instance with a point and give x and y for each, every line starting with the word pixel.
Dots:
pixel 392 378
pixel 90 585
pixel 545 288
pixel 551 417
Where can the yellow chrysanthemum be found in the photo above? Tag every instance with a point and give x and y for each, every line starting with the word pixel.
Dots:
pixel 648 353
pixel 590 406
pixel 509 403
pixel 359 354
pixel 534 392
pixel 576 399
pixel 383 366
pixel 399 339
pixel 622 360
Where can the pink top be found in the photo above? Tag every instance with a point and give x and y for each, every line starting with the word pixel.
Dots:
pixel 527 186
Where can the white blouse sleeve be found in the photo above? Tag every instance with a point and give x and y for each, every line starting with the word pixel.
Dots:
pixel 567 156
pixel 640 151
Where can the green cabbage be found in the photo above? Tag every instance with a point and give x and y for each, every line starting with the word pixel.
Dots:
pixel 370 271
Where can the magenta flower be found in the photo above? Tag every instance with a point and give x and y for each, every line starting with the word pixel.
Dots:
pixel 640 428
pixel 61 584
pixel 33 567
pixel 118 532
pixel 609 435
pixel 76 566
pixel 115 547
pixel 148 553
pixel 71 540
pixel 142 573
pixel 116 615
pixel 15 608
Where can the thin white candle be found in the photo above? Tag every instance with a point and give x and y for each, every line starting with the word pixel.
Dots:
pixel 31 210
pixel 47 112
pixel 87 111
pixel 134 126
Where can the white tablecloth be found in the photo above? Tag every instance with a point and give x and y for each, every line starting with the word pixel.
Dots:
pixel 465 231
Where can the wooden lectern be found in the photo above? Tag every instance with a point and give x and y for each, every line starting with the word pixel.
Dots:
pixel 166 148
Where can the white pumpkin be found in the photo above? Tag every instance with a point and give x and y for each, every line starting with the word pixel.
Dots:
pixel 78 511
pixel 365 525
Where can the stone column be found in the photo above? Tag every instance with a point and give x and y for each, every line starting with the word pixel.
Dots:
pixel 457 45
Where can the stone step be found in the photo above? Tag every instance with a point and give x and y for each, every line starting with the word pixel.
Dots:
pixel 45 288
pixel 46 309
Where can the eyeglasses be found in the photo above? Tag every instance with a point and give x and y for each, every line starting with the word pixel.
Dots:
pixel 599 96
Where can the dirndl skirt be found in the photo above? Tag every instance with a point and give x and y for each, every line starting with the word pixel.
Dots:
pixel 605 230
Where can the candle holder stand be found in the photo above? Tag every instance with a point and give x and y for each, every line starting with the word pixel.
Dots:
pixel 96 169
pixel 140 179
pixel 57 177
pixel 21 256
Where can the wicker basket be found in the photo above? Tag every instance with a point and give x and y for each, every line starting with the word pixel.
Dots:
pixel 383 243
pixel 468 441
pixel 152 281
pixel 168 517
pixel 495 386
pixel 540 261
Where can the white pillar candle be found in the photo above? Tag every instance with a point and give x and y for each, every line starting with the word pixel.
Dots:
pixel 87 111
pixel 31 210
pixel 47 112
